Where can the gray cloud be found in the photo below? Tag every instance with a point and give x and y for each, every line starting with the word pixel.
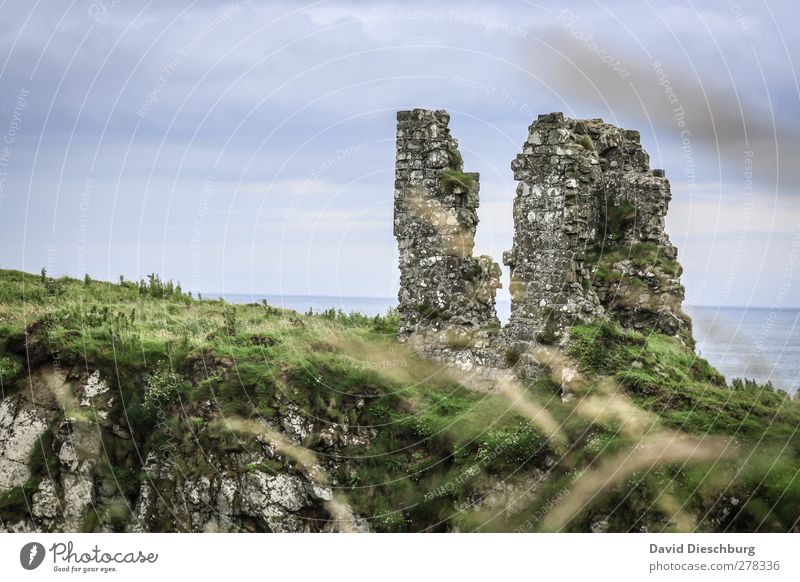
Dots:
pixel 709 115
pixel 257 96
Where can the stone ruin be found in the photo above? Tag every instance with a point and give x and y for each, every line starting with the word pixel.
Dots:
pixel 589 241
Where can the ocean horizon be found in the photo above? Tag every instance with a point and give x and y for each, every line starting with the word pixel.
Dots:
pixel 759 343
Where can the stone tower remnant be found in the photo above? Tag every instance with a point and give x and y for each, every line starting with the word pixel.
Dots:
pixel 589 238
pixel 442 285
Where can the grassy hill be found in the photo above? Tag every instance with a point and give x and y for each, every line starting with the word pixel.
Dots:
pixel 650 437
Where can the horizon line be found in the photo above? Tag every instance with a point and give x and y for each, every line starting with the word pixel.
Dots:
pixel 251 294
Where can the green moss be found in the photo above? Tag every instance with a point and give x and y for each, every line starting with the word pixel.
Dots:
pixel 455 159
pixel 602 258
pixel 474 271
pixel 512 356
pixel 451 180
pixel 619 219
pixel 429 311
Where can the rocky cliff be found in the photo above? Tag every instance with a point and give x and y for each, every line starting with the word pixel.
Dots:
pixel 67 452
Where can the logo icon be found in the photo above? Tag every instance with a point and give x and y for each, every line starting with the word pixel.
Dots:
pixel 31 555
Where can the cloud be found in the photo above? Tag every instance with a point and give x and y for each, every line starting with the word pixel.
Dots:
pixel 696 108
pixel 263 98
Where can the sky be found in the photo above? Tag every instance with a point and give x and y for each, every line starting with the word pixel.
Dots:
pixel 248 147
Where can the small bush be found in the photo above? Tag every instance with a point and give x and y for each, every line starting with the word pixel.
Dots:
pixel 229 319
pixel 9 368
pixel 601 347
pixel 451 179
pixel 473 272
pixel 161 387
pixel 619 219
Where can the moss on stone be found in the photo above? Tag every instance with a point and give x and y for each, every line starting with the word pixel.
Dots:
pixel 619 219
pixel 451 180
pixel 455 159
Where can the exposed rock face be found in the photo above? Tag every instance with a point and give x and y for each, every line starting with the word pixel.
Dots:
pixel 589 239
pixel 442 284
pixel 275 485
pixel 24 417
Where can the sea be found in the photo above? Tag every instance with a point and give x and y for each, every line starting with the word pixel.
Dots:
pixel 762 344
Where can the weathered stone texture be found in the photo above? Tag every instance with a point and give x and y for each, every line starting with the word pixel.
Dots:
pixel 556 215
pixel 589 239
pixel 441 284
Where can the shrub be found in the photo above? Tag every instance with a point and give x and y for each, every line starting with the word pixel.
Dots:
pixel 161 387
pixel 619 219
pixel 229 319
pixel 512 356
pixel 601 347
pixel 9 368
pixel 451 179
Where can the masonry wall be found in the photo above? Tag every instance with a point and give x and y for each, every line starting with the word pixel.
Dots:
pixel 589 240
pixel 442 285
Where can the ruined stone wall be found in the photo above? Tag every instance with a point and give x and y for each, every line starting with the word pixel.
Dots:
pixel 635 267
pixel 589 239
pixel 589 236
pixel 442 286
pixel 556 213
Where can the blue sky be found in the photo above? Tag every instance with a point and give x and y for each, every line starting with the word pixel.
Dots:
pixel 248 147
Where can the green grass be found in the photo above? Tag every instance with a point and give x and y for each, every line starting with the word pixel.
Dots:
pixel 438 447
pixel 642 255
pixel 451 179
